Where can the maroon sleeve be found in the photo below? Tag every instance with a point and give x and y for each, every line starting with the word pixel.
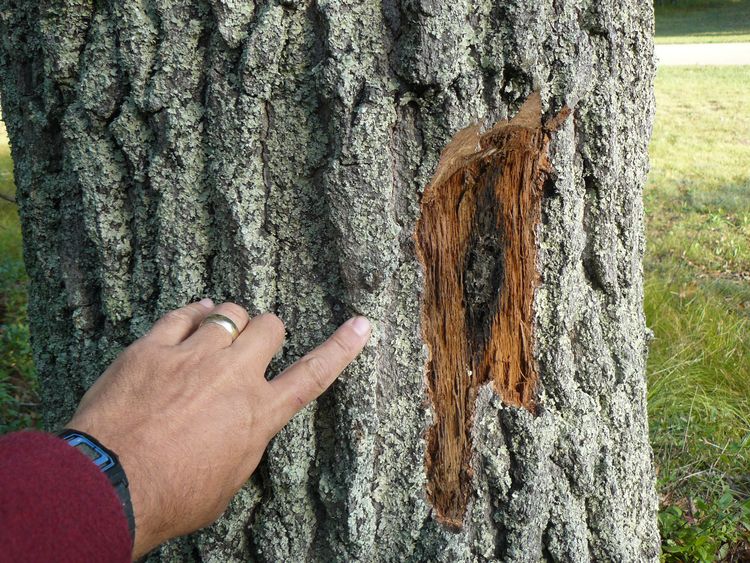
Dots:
pixel 56 505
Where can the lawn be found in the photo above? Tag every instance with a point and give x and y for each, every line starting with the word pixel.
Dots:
pixel 698 295
pixel 702 21
pixel 697 303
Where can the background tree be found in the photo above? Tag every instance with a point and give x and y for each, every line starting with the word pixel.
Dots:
pixel 275 153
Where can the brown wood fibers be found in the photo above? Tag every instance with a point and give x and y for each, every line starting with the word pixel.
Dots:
pixel 476 239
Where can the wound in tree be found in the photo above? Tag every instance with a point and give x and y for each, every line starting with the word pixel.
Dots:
pixel 476 240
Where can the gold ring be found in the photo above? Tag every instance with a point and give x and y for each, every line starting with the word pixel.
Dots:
pixel 225 322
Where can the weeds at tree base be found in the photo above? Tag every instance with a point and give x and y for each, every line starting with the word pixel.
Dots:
pixel 701 532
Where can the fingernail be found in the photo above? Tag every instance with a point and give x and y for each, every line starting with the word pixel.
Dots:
pixel 207 303
pixel 360 325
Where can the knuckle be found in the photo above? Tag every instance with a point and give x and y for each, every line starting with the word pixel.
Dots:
pixel 274 323
pixel 342 346
pixel 178 316
pixel 317 369
pixel 235 311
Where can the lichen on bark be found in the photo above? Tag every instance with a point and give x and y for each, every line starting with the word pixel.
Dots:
pixel 274 153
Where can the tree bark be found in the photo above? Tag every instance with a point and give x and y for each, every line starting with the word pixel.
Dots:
pixel 275 154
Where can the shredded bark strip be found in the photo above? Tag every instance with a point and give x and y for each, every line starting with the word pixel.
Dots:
pixel 476 239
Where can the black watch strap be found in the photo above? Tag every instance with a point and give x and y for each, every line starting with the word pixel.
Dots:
pixel 108 462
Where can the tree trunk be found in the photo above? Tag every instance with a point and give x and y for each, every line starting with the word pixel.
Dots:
pixel 276 154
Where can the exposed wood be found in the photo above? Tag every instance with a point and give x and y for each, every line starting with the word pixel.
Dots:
pixel 476 239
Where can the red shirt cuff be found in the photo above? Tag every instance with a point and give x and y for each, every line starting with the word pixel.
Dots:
pixel 56 505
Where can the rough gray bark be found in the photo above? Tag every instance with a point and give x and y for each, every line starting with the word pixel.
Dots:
pixel 274 153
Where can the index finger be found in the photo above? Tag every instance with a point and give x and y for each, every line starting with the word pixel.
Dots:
pixel 307 378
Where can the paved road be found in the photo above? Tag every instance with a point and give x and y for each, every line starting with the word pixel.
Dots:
pixel 703 54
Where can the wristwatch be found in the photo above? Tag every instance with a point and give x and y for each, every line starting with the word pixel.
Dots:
pixel 108 463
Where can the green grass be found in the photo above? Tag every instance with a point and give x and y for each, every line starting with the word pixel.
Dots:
pixel 18 385
pixel 702 21
pixel 698 304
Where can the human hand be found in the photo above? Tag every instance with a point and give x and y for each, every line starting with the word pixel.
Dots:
pixel 189 412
